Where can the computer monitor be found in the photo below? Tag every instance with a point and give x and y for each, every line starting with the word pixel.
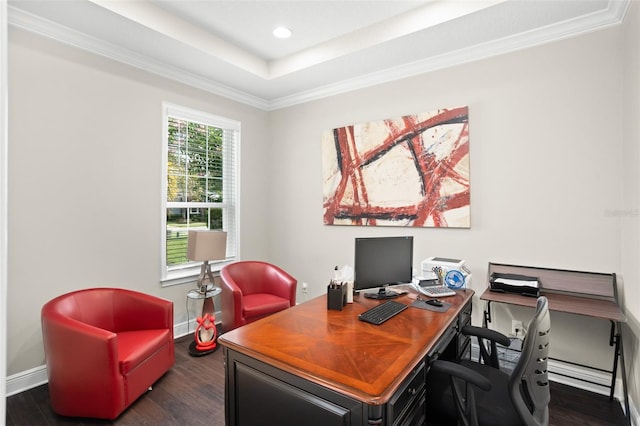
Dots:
pixel 381 262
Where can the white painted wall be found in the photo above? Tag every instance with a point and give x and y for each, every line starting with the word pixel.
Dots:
pixel 631 195
pixel 545 142
pixel 4 118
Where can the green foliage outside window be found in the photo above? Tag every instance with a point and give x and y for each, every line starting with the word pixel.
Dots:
pixel 195 177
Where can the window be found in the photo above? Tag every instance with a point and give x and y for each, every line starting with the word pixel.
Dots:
pixel 200 189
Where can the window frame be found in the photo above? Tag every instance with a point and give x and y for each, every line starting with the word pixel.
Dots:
pixel 230 206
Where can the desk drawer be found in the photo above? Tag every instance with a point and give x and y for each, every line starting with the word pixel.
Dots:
pixel 465 316
pixel 444 347
pixel 407 394
pixel 416 414
pixel 463 343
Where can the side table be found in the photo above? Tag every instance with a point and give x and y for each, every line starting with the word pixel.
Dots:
pixel 205 334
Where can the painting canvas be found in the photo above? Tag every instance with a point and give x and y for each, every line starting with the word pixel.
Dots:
pixel 408 171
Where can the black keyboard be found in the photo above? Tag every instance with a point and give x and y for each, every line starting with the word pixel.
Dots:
pixel 379 314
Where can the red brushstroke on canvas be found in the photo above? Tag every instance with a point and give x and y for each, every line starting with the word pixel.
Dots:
pixel 432 173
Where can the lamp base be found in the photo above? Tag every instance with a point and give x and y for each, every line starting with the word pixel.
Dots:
pixel 194 351
pixel 205 288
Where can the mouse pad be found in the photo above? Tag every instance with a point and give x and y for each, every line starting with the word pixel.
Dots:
pixel 422 304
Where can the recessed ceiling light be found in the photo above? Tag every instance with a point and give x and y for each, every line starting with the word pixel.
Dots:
pixel 282 32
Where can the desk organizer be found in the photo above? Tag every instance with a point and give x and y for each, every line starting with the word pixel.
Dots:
pixel 336 296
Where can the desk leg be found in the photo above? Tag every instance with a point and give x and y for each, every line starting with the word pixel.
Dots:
pixel 487 314
pixel 375 415
pixel 619 352
pixel 614 340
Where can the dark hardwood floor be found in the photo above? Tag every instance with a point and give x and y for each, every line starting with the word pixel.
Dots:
pixel 192 393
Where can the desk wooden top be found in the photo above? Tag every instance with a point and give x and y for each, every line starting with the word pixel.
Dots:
pixel 338 351
pixel 593 307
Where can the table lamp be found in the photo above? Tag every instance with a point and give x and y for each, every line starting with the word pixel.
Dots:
pixel 206 246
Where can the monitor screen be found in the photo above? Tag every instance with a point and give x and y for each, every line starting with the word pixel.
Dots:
pixel 381 262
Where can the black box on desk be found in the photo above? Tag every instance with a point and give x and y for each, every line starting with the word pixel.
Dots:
pixel 514 283
pixel 336 296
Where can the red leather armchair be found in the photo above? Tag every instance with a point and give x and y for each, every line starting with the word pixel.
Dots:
pixel 252 290
pixel 104 347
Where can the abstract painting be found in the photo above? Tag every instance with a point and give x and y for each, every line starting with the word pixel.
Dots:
pixel 408 171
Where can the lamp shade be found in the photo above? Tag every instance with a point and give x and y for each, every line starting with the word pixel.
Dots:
pixel 207 245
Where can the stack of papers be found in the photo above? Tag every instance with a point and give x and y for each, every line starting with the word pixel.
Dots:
pixel 518 282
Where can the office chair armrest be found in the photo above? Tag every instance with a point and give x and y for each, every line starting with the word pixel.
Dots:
pixel 488 354
pixel 452 369
pixel 486 333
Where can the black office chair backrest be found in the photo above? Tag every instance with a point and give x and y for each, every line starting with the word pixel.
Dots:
pixel 529 382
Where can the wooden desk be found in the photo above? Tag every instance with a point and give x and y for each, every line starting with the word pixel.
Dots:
pixel 311 366
pixel 583 293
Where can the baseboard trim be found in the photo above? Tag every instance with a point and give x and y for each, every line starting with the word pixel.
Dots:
pixel 37 376
pixel 26 380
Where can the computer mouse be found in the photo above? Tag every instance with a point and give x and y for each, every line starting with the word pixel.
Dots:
pixel 434 302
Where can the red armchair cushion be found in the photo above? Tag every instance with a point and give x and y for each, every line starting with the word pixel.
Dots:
pixel 261 304
pixel 131 353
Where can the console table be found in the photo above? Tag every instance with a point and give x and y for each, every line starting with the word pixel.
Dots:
pixel 208 307
pixel 583 293
pixel 311 366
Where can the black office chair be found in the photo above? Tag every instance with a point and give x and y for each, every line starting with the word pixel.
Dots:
pixel 472 393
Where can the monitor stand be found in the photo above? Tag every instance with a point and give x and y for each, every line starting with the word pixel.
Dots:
pixel 382 294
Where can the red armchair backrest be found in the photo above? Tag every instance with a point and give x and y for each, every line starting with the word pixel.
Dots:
pixel 93 308
pixel 109 309
pixel 260 277
pixel 251 277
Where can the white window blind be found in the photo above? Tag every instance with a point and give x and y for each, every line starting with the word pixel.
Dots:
pixel 200 186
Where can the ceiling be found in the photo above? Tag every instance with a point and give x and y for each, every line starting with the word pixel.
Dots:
pixel 226 47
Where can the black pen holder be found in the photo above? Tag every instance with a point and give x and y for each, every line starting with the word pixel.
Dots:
pixel 336 296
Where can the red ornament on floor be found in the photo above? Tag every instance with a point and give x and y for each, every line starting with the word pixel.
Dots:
pixel 206 336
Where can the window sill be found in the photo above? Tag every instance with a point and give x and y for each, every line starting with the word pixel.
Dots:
pixel 189 275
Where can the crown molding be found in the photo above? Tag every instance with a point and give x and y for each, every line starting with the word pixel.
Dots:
pixel 46 28
pixel 613 15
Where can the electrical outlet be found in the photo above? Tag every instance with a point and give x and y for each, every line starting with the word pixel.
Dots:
pixel 517 328
pixel 304 287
